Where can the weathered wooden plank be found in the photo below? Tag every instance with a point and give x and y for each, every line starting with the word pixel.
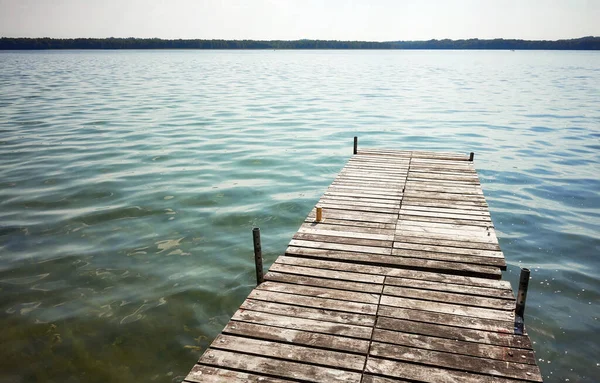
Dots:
pixel 412 201
pixel 380 379
pixel 309 338
pixel 355 216
pixel 468 217
pixel 445 242
pixel 449 297
pixel 458 347
pixel 348 240
pixel 366 190
pixel 450 287
pixel 452 221
pixel 450 257
pixel 491 325
pixel 361 201
pixel 340 246
pixel 314 302
pixel 380 271
pixel 317 230
pixel 287 351
pixel 453 210
pixel 472 335
pixel 285 311
pixel 321 282
pixel 352 223
pixel 207 374
pixel 447 308
pixel 276 367
pixel 427 374
pixel 445 228
pixel 361 194
pixel 323 292
pixel 333 274
pixel 403 232
pixel 449 249
pixel 444 225
pixel 397 261
pixel 460 362
pixel 329 204
pixel 349 228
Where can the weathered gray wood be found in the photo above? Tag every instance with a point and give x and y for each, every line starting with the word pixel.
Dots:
pixel 348 227
pixel 275 367
pixel 449 249
pixel 473 335
pixel 323 292
pixel 328 204
pixel 397 261
pixel 283 312
pixel 450 257
pixel 462 362
pixel 207 374
pixel 341 247
pixel 288 351
pixel 427 374
pixel 447 308
pixel 449 321
pixel 321 282
pixel 449 297
pixel 348 233
pixel 451 287
pixel 352 224
pixel 315 302
pixel 348 240
pixel 281 266
pixel 308 338
pixel 410 238
pixel 455 346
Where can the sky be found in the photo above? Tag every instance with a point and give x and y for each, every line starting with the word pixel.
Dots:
pixel 371 20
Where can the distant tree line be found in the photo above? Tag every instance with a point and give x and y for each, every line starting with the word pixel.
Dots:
pixel 6 43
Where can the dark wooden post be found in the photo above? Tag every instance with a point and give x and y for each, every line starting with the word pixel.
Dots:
pixel 258 256
pixel 521 298
pixel 471 156
pixel 355 145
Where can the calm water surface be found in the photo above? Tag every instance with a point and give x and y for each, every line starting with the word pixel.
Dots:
pixel 130 181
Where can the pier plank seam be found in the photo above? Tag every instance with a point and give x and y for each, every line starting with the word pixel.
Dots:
pixel 399 282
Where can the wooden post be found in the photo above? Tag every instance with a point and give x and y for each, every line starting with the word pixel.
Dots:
pixel 319 214
pixel 521 298
pixel 258 256
pixel 355 145
pixel 471 156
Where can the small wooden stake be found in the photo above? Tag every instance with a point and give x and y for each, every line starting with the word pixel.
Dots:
pixel 319 214
pixel 355 145
pixel 471 156
pixel 521 298
pixel 258 256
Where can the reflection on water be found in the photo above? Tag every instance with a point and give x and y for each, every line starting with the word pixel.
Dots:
pixel 129 182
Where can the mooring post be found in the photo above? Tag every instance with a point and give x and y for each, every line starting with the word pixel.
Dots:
pixel 521 298
pixel 258 256
pixel 319 214
pixel 355 145
pixel 471 156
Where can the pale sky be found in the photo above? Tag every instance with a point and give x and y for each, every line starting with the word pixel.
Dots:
pixel 375 20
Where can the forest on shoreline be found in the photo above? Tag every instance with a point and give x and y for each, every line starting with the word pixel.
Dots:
pixel 8 43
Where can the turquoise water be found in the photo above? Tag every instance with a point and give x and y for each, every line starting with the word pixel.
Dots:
pixel 130 181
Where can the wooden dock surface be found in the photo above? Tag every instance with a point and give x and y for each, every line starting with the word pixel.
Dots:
pixel 400 282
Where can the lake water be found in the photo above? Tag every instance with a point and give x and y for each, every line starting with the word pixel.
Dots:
pixel 130 181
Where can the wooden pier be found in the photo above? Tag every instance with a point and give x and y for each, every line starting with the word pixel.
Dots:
pixel 398 282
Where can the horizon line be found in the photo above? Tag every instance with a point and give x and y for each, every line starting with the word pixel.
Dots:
pixel 301 39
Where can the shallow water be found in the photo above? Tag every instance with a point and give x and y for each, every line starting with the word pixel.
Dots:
pixel 130 181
